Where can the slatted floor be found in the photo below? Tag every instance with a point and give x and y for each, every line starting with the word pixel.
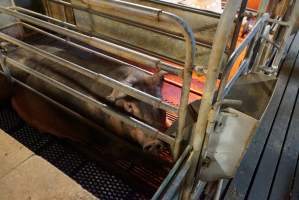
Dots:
pixel 270 167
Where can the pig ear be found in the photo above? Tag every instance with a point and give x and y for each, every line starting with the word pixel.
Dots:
pixel 156 79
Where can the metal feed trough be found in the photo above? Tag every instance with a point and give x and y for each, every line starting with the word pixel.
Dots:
pixel 175 39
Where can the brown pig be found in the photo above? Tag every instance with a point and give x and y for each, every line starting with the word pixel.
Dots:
pixel 37 114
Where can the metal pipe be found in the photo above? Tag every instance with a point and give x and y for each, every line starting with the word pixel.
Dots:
pixel 100 78
pixel 279 22
pixel 172 173
pixel 229 85
pixel 8 26
pixel 123 9
pixel 261 51
pixel 179 179
pixel 69 42
pixel 97 43
pixel 262 8
pixel 187 77
pixel 292 20
pixel 129 22
pixel 149 130
pixel 138 57
pixel 62 23
pixel 231 61
pixel 126 10
pixel 218 191
pixel 238 26
pixel 214 65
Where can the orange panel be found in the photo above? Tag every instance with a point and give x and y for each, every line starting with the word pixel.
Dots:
pixel 253 4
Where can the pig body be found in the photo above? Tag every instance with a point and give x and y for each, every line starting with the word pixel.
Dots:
pixel 38 114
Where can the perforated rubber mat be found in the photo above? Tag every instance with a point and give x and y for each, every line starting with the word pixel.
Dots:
pixel 90 174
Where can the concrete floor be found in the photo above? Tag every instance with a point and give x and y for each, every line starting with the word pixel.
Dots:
pixel 24 175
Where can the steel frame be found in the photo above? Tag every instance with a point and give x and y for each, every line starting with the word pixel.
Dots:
pixel 189 162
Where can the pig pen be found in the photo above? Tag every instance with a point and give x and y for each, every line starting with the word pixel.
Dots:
pixel 149 36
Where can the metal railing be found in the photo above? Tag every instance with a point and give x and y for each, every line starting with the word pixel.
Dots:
pixel 69 31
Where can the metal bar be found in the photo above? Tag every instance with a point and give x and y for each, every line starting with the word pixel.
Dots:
pixel 229 85
pixel 214 65
pixel 199 188
pixel 142 96
pixel 126 10
pixel 69 42
pixel 139 57
pixel 262 8
pixel 187 77
pixel 62 23
pixel 279 22
pixel 218 191
pixel 292 20
pixel 236 54
pixel 238 26
pixel 149 130
pixel 179 179
pixel 137 24
pixel 260 52
pixel 8 25
pixel 172 173
pixel 96 42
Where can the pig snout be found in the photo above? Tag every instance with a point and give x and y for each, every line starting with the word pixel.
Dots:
pixel 153 147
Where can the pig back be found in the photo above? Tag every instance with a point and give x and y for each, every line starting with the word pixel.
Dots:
pixel 74 80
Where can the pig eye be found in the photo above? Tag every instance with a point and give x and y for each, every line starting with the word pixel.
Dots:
pixel 130 108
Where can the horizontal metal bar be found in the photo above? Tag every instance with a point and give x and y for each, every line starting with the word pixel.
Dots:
pixel 137 24
pixel 149 130
pixel 96 42
pixel 62 23
pixel 73 44
pixel 142 96
pixel 8 26
pixel 172 173
pixel 281 23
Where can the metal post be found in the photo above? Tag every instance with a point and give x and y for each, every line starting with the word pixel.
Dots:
pixel 198 136
pixel 172 173
pixel 291 21
pixel 238 26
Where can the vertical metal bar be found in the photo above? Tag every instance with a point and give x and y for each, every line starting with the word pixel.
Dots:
pixel 238 26
pixel 262 8
pixel 218 192
pixel 198 136
pixel 291 21
pixel 171 174
pixel 187 78
pixel 261 52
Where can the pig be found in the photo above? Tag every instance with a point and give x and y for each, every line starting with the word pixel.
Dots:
pixel 45 119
